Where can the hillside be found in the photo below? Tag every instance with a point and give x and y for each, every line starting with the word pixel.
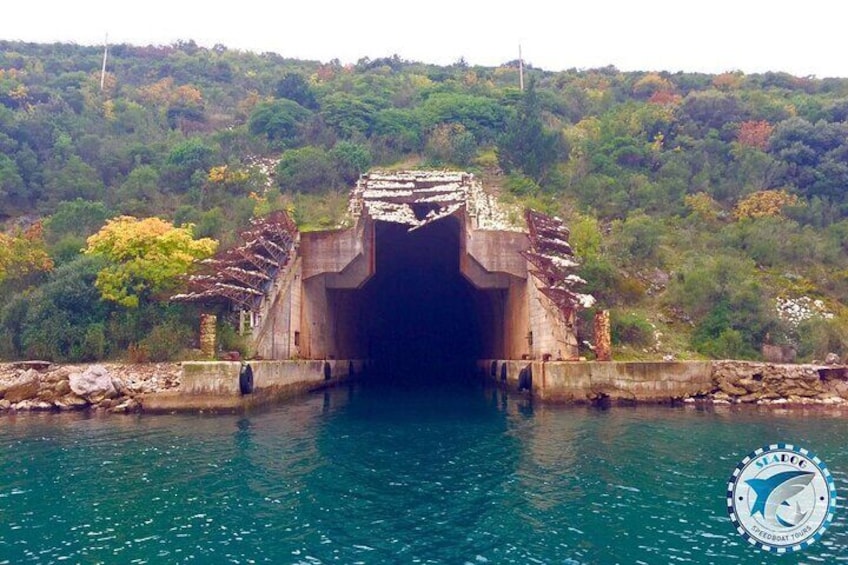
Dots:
pixel 709 211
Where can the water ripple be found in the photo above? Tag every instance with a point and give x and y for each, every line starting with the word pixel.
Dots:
pixel 373 476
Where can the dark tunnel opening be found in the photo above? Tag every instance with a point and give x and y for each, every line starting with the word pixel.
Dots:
pixel 423 318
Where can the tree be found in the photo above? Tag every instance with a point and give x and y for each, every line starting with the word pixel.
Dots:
pixel 72 179
pixel 349 115
pixel 451 143
pixel 765 203
pixel 483 117
pixel 62 320
pixel 145 257
pixel 397 129
pixel 755 134
pixel 526 145
pixel 185 159
pixel 816 156
pixel 352 159
pixel 308 169
pixel 12 188
pixel 23 257
pixel 294 87
pixel 278 120
pixel 77 217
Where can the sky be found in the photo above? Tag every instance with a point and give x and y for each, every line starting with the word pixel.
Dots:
pixel 801 38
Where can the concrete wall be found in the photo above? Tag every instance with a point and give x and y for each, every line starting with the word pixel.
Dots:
pixel 498 251
pixel 316 320
pixel 554 333
pixel 344 257
pixel 274 338
pixel 516 320
pixel 593 381
pixel 210 377
pixel 214 385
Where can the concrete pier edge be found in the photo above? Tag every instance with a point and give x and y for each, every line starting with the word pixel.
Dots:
pixel 713 382
pixel 214 386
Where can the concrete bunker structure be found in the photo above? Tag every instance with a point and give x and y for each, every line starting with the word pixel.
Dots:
pixel 431 272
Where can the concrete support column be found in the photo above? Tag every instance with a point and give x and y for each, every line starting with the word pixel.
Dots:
pixel 603 342
pixel 208 323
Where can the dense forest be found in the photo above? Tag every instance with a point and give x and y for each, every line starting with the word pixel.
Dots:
pixel 710 212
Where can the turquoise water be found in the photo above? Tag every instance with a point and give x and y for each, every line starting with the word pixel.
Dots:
pixel 446 474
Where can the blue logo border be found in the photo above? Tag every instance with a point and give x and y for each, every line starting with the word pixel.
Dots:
pixel 820 465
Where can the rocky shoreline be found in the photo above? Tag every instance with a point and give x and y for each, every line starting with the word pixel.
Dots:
pixel 122 388
pixel 110 387
pixel 776 384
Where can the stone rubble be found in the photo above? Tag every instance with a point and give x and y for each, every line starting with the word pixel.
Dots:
pixel 747 382
pixel 111 387
pixel 393 196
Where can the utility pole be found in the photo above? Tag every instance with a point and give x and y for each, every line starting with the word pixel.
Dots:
pixel 103 71
pixel 520 69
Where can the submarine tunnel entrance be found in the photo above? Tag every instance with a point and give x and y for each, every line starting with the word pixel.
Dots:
pixel 418 316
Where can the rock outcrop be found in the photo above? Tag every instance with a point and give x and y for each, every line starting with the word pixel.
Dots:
pixel 95 384
pixel 746 382
pixel 112 387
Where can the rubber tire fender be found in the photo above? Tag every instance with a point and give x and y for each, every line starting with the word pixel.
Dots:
pixel 246 379
pixel 525 378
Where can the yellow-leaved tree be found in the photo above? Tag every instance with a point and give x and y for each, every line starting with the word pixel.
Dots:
pixel 146 257
pixel 23 256
pixel 763 204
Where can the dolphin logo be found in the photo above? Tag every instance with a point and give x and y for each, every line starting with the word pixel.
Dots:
pixel 774 492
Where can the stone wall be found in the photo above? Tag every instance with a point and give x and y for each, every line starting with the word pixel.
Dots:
pixel 718 382
pixel 739 382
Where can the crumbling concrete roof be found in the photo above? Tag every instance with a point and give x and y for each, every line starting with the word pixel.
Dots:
pixel 417 198
pixel 551 259
pixel 243 274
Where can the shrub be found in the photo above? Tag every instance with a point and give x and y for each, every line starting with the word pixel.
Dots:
pixel 166 342
pixel 818 336
pixel 94 345
pixel 230 340
pixel 308 169
pixel 638 237
pixel 521 185
pixel 729 344
pixel 631 329
pixel 137 353
pixel 729 332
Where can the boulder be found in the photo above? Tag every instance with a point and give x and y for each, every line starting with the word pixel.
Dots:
pixel 94 384
pixel 730 388
pixel 32 405
pixel 779 353
pixel 47 394
pixel 23 388
pixel 831 359
pixel 71 402
pixel 62 387
pixel 129 405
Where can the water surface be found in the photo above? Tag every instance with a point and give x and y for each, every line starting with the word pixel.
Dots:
pixel 382 474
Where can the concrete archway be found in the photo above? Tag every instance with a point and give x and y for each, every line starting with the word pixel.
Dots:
pixel 426 277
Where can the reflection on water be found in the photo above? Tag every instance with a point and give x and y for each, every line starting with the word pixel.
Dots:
pixel 443 474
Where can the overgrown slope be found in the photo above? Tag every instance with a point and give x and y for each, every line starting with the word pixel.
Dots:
pixel 700 204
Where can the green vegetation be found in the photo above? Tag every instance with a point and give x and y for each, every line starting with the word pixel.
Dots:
pixel 696 201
